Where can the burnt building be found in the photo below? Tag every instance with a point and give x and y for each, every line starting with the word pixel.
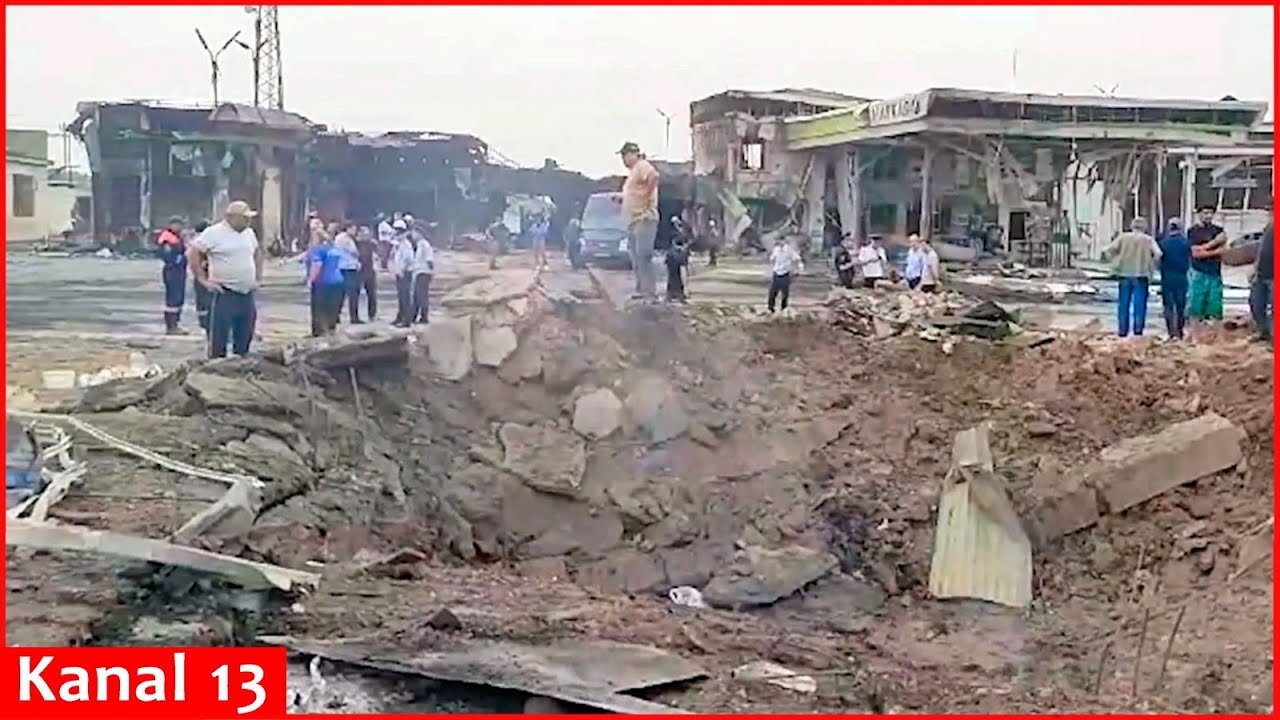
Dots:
pixel 150 162
pixel 433 176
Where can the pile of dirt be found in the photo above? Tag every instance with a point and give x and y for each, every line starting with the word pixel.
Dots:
pixel 775 465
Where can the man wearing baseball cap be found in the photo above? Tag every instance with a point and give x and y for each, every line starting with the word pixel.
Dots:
pixel 227 260
pixel 640 207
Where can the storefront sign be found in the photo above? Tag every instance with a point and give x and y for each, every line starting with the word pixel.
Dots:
pixel 902 109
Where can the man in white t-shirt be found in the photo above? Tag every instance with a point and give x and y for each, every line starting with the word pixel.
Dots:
pixel 872 261
pixel 227 260
pixel 784 263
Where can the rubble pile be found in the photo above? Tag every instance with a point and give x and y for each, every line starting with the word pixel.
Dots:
pixel 538 453
pixel 881 315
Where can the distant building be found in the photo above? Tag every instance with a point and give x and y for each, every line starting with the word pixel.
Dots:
pixel 29 215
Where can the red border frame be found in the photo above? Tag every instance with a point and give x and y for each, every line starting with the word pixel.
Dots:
pixel 1275 94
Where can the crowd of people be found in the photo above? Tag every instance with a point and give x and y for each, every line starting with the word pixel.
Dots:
pixel 1189 262
pixel 343 261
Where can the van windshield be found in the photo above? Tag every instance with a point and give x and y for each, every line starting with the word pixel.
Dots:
pixel 603 211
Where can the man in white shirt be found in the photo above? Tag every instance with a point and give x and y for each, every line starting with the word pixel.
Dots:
pixel 386 240
pixel 227 260
pixel 784 262
pixel 423 266
pixel 872 260
pixel 401 266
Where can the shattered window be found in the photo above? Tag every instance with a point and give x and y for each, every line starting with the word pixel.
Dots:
pixel 752 155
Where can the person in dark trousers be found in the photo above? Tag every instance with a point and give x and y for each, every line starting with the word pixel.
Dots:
pixel 784 262
pixel 677 258
pixel 1134 256
pixel 402 269
pixel 573 243
pixel 423 269
pixel 1175 264
pixel 327 284
pixel 172 248
pixel 227 260
pixel 203 296
pixel 367 250
pixel 1262 284
pixel 344 244
pixel 844 262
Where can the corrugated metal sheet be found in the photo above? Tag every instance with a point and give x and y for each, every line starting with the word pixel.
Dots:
pixel 980 548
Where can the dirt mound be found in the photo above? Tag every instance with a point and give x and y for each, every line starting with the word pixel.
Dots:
pixel 780 464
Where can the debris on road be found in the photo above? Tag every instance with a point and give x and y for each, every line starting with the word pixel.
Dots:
pixel 245 573
pixel 593 674
pixel 776 674
pixel 980 549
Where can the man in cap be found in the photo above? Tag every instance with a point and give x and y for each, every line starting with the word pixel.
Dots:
pixel 173 253
pixel 227 260
pixel 640 208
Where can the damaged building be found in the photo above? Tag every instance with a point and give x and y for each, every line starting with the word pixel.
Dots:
pixel 747 179
pixel 150 162
pixel 430 175
pixel 998 172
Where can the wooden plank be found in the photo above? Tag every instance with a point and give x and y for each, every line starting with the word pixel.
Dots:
pixel 246 573
pixel 473 666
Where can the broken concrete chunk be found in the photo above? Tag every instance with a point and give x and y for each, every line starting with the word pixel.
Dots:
pixel 654 407
pixel 1138 469
pixel 1071 507
pixel 545 458
pixel 762 577
pixel 449 345
pixel 493 345
pixel 597 414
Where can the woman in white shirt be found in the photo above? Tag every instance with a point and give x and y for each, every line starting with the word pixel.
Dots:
pixel 872 260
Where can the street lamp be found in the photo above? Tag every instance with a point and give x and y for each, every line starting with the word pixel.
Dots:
pixel 213 57
pixel 666 148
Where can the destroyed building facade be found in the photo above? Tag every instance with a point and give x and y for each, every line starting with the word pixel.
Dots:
pixel 1042 178
pixel 150 162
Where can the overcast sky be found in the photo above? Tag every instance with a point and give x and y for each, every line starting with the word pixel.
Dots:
pixel 574 83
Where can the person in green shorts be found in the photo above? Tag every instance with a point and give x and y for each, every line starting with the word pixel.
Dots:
pixel 1208 242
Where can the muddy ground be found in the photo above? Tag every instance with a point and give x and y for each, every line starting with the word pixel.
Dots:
pixel 561 486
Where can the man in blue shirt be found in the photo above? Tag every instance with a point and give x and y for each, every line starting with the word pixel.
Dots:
pixel 324 275
pixel 1175 264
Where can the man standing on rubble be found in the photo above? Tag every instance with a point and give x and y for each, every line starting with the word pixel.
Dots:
pixel 172 249
pixel 344 243
pixel 1208 242
pixel 640 207
pixel 1262 283
pixel 784 263
pixel 367 250
pixel 227 260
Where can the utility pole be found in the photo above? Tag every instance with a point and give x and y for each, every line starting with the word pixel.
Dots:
pixel 666 147
pixel 213 57
pixel 268 70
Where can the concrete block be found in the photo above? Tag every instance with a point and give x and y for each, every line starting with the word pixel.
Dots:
pixel 1069 509
pixel 1138 469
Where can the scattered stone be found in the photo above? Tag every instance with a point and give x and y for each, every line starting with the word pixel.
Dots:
pixel 562 371
pixel 544 457
pixel 761 577
pixel 449 345
pixel 444 619
pixel 1040 429
pixel 544 568
pixel 523 364
pixel 1104 557
pixel 655 408
pixel 597 414
pixel 626 571
pixel 1199 507
pixel 702 435
pixel 493 345
pixel 1138 469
